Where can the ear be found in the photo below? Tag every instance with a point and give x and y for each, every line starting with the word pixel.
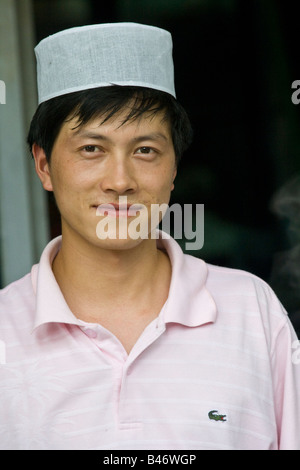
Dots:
pixel 42 167
pixel 174 176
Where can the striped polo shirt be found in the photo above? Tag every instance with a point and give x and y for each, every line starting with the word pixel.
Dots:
pixel 214 371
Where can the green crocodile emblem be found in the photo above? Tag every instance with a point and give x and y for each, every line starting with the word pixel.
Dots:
pixel 213 415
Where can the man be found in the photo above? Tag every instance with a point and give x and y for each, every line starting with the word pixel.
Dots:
pixel 115 341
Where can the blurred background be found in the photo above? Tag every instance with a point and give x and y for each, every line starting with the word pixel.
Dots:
pixel 235 62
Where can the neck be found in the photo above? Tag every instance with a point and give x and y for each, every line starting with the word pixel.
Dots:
pixel 105 279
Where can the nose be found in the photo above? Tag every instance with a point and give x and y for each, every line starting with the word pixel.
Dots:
pixel 119 177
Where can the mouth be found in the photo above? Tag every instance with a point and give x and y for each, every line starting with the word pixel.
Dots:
pixel 118 210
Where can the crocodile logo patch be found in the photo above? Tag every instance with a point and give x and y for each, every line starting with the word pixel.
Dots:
pixel 213 414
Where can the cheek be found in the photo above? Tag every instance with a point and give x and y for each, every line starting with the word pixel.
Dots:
pixel 160 187
pixel 69 179
pixel 165 179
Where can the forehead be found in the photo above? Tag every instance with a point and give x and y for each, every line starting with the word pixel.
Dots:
pixel 154 124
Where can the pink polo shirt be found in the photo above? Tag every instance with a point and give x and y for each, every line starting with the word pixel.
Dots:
pixel 213 371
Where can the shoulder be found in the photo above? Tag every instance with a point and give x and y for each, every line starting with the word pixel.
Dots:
pixel 243 284
pixel 16 288
pixel 247 299
pixel 16 299
pixel 228 281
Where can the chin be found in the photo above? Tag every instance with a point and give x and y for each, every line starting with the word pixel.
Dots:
pixel 119 244
pixel 123 233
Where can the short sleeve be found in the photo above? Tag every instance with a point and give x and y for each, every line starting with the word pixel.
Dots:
pixel 286 385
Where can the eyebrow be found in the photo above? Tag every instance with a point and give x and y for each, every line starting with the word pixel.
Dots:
pixel 92 135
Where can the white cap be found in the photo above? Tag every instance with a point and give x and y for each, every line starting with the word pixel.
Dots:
pixel 102 55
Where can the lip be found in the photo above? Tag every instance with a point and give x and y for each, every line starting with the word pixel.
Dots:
pixel 117 210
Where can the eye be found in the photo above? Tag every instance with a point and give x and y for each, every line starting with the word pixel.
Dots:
pixel 90 148
pixel 91 151
pixel 145 151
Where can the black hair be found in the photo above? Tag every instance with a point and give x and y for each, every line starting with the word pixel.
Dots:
pixel 108 102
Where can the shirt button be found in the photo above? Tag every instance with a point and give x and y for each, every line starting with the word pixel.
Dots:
pixel 90 333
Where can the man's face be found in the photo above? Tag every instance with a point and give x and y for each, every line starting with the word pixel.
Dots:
pixel 99 164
